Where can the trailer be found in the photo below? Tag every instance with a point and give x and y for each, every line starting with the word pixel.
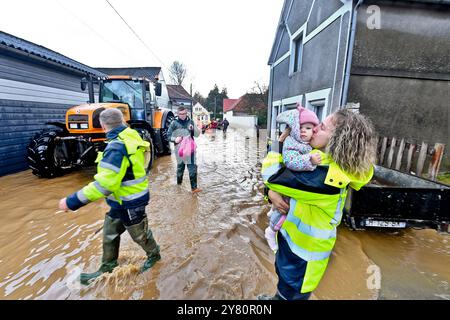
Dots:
pixel 394 199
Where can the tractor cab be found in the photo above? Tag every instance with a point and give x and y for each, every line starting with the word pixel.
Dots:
pixel 138 93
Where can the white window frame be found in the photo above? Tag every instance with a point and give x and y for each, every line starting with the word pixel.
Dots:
pixel 300 33
pixel 287 101
pixel 281 105
pixel 319 97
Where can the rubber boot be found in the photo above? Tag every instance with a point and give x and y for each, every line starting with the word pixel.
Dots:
pixel 144 237
pixel 151 260
pixel 88 278
pixel 269 297
pixel 112 229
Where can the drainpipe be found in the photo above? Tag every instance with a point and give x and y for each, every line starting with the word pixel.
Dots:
pixel 270 106
pixel 350 54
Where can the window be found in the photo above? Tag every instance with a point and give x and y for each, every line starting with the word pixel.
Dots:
pixel 124 91
pixel 319 102
pixel 296 54
pixel 318 107
pixel 274 125
pixel 289 106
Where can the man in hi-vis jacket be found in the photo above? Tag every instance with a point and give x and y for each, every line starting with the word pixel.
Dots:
pixel 122 179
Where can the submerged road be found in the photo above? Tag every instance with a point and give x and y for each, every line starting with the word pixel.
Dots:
pixel 213 244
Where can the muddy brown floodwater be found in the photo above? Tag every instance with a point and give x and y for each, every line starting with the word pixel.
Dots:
pixel 212 244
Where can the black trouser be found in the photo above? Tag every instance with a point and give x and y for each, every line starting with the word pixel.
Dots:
pixel 192 168
pixel 291 270
pixel 136 223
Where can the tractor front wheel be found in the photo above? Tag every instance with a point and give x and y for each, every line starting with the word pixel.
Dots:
pixel 42 154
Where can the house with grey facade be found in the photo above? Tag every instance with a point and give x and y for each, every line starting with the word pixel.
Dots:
pixel 37 85
pixel 390 57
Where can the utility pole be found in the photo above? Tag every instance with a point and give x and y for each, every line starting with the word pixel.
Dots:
pixel 192 107
pixel 215 106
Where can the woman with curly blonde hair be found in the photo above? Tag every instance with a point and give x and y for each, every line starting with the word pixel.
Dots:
pixel 346 144
pixel 352 144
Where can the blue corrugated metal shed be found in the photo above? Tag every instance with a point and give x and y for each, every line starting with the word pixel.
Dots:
pixel 11 41
pixel 37 85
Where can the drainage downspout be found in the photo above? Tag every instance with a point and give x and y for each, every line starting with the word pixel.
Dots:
pixel 350 54
pixel 270 106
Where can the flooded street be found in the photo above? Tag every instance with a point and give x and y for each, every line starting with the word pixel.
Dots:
pixel 212 244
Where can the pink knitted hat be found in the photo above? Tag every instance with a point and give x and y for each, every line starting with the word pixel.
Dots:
pixel 307 116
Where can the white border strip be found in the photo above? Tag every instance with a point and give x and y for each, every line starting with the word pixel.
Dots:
pixel 284 57
pixel 294 37
pixel 311 9
pixel 289 100
pixel 21 91
pixel 346 7
pixel 337 59
pixel 300 30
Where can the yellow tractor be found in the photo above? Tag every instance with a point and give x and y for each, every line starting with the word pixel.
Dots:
pixel 76 142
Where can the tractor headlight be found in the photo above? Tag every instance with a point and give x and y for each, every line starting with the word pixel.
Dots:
pixel 84 126
pixel 73 126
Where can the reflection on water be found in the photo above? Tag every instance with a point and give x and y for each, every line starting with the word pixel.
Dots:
pixel 213 244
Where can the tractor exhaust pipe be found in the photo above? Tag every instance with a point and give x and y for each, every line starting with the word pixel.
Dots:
pixel 90 85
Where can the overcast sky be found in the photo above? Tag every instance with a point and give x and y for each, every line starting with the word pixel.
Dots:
pixel 227 42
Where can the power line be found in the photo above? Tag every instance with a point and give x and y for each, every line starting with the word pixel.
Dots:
pixel 142 41
pixel 96 33
pixel 137 36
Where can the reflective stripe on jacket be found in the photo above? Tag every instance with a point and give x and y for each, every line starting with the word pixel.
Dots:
pixel 121 175
pixel 316 207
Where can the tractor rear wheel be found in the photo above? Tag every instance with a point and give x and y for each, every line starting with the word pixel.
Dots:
pixel 164 137
pixel 146 136
pixel 42 154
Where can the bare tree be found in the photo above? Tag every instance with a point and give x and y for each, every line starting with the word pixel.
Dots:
pixel 260 88
pixel 177 73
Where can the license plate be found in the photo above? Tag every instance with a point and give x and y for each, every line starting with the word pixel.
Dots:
pixel 385 224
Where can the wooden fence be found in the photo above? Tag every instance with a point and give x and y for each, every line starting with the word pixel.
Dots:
pixel 410 157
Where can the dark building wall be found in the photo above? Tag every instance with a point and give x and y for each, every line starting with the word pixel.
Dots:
pixel 413 41
pixel 318 66
pixel 284 45
pixel 321 78
pixel 31 93
pixel 14 68
pixel 298 14
pixel 336 96
pixel 401 73
pixel 323 63
pixel 405 108
pixel 321 11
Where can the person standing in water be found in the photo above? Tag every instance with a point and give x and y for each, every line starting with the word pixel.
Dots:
pixel 180 128
pixel 122 179
pixel 345 142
